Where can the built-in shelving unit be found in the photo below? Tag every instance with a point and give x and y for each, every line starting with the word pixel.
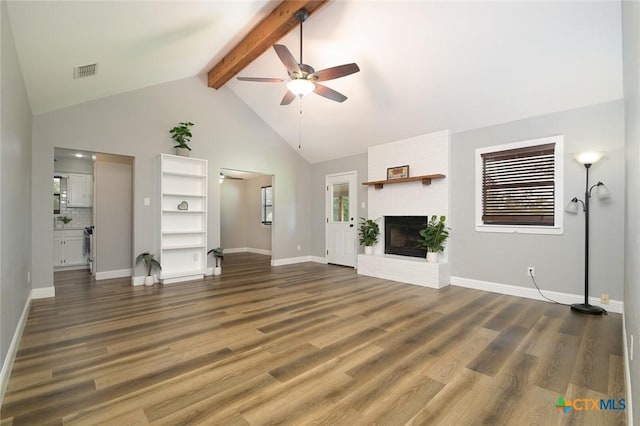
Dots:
pixel 183 232
pixel 426 180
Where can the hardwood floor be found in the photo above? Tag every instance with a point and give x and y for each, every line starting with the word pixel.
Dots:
pixel 306 344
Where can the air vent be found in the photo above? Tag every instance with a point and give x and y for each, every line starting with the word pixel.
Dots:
pixel 85 71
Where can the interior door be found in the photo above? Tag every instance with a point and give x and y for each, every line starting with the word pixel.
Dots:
pixel 341 219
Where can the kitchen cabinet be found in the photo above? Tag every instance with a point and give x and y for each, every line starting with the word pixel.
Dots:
pixel 183 218
pixel 68 248
pixel 79 190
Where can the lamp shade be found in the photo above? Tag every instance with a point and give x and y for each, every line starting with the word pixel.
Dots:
pixel 588 157
pixel 602 191
pixel 300 86
pixel 572 206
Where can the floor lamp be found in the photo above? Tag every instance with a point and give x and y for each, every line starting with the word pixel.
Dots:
pixel 587 159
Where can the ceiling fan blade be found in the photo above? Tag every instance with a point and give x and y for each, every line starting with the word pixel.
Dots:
pixel 261 79
pixel 288 60
pixel 329 93
pixel 335 72
pixel 288 98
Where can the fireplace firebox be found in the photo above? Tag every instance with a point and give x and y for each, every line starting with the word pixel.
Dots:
pixel 402 235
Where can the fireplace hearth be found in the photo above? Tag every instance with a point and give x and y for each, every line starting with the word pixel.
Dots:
pixel 402 235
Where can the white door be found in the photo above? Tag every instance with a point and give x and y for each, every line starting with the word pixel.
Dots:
pixel 341 219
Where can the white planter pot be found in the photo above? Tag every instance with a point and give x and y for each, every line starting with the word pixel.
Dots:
pixel 148 280
pixel 432 256
pixel 183 152
pixel 368 250
pixel 217 270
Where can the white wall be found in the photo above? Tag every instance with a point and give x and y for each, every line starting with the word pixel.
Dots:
pixel 631 34
pixel 15 190
pixel 558 259
pixel 137 124
pixel 425 154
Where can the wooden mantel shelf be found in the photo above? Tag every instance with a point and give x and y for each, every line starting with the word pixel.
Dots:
pixel 426 180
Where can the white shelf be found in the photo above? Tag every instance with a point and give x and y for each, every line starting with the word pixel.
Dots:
pixel 193 175
pixel 172 194
pixel 184 211
pixel 172 232
pixel 182 247
pixel 179 274
pixel 183 233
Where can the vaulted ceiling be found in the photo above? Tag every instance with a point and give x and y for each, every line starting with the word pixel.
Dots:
pixel 425 65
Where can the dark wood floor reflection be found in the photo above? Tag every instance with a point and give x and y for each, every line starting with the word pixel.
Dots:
pixel 306 344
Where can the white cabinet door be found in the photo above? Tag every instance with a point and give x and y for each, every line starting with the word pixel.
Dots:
pixel 74 251
pixel 59 252
pixel 79 190
pixel 67 251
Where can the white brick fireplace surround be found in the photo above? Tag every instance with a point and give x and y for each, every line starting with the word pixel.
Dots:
pixel 425 154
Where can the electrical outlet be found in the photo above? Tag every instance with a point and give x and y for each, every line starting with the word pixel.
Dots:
pixel 604 298
pixel 196 257
pixel 531 271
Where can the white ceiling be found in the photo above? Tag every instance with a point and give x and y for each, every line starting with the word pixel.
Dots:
pixel 425 66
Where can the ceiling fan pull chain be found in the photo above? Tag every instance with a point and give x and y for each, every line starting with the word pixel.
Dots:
pixel 300 130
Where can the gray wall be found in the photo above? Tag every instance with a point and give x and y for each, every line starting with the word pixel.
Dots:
pixel 631 35
pixel 318 189
pixel 233 209
pixel 15 190
pixel 226 132
pixel 258 235
pixel 558 259
pixel 113 212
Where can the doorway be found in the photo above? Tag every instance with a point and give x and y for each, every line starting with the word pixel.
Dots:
pixel 340 231
pixel 246 211
pixel 93 212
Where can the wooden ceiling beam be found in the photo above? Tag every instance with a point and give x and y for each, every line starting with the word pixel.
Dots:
pixel 271 29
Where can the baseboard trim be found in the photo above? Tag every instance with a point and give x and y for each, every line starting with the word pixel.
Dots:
pixel 627 374
pixel 247 250
pixel 319 259
pixel 531 293
pixel 235 250
pixel 118 273
pixel 291 260
pixel 7 366
pixel 43 293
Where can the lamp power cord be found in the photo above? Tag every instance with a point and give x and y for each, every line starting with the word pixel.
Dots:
pixel 533 280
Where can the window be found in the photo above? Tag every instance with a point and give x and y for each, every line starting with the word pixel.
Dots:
pixel 56 194
pixel 519 187
pixel 267 205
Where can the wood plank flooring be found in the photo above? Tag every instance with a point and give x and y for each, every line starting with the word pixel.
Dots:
pixel 306 344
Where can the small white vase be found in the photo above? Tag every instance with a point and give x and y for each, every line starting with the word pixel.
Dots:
pixel 148 280
pixel 432 256
pixel 217 270
pixel 183 152
pixel 368 250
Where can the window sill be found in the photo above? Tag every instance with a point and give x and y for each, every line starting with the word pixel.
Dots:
pixel 505 229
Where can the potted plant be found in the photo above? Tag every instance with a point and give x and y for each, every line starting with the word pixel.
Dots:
pixel 434 236
pixel 368 232
pixel 181 134
pixel 218 256
pixel 64 219
pixel 149 262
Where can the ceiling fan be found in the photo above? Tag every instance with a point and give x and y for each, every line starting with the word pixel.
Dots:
pixel 304 79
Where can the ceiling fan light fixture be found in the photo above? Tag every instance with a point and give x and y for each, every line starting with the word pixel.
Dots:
pixel 300 87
